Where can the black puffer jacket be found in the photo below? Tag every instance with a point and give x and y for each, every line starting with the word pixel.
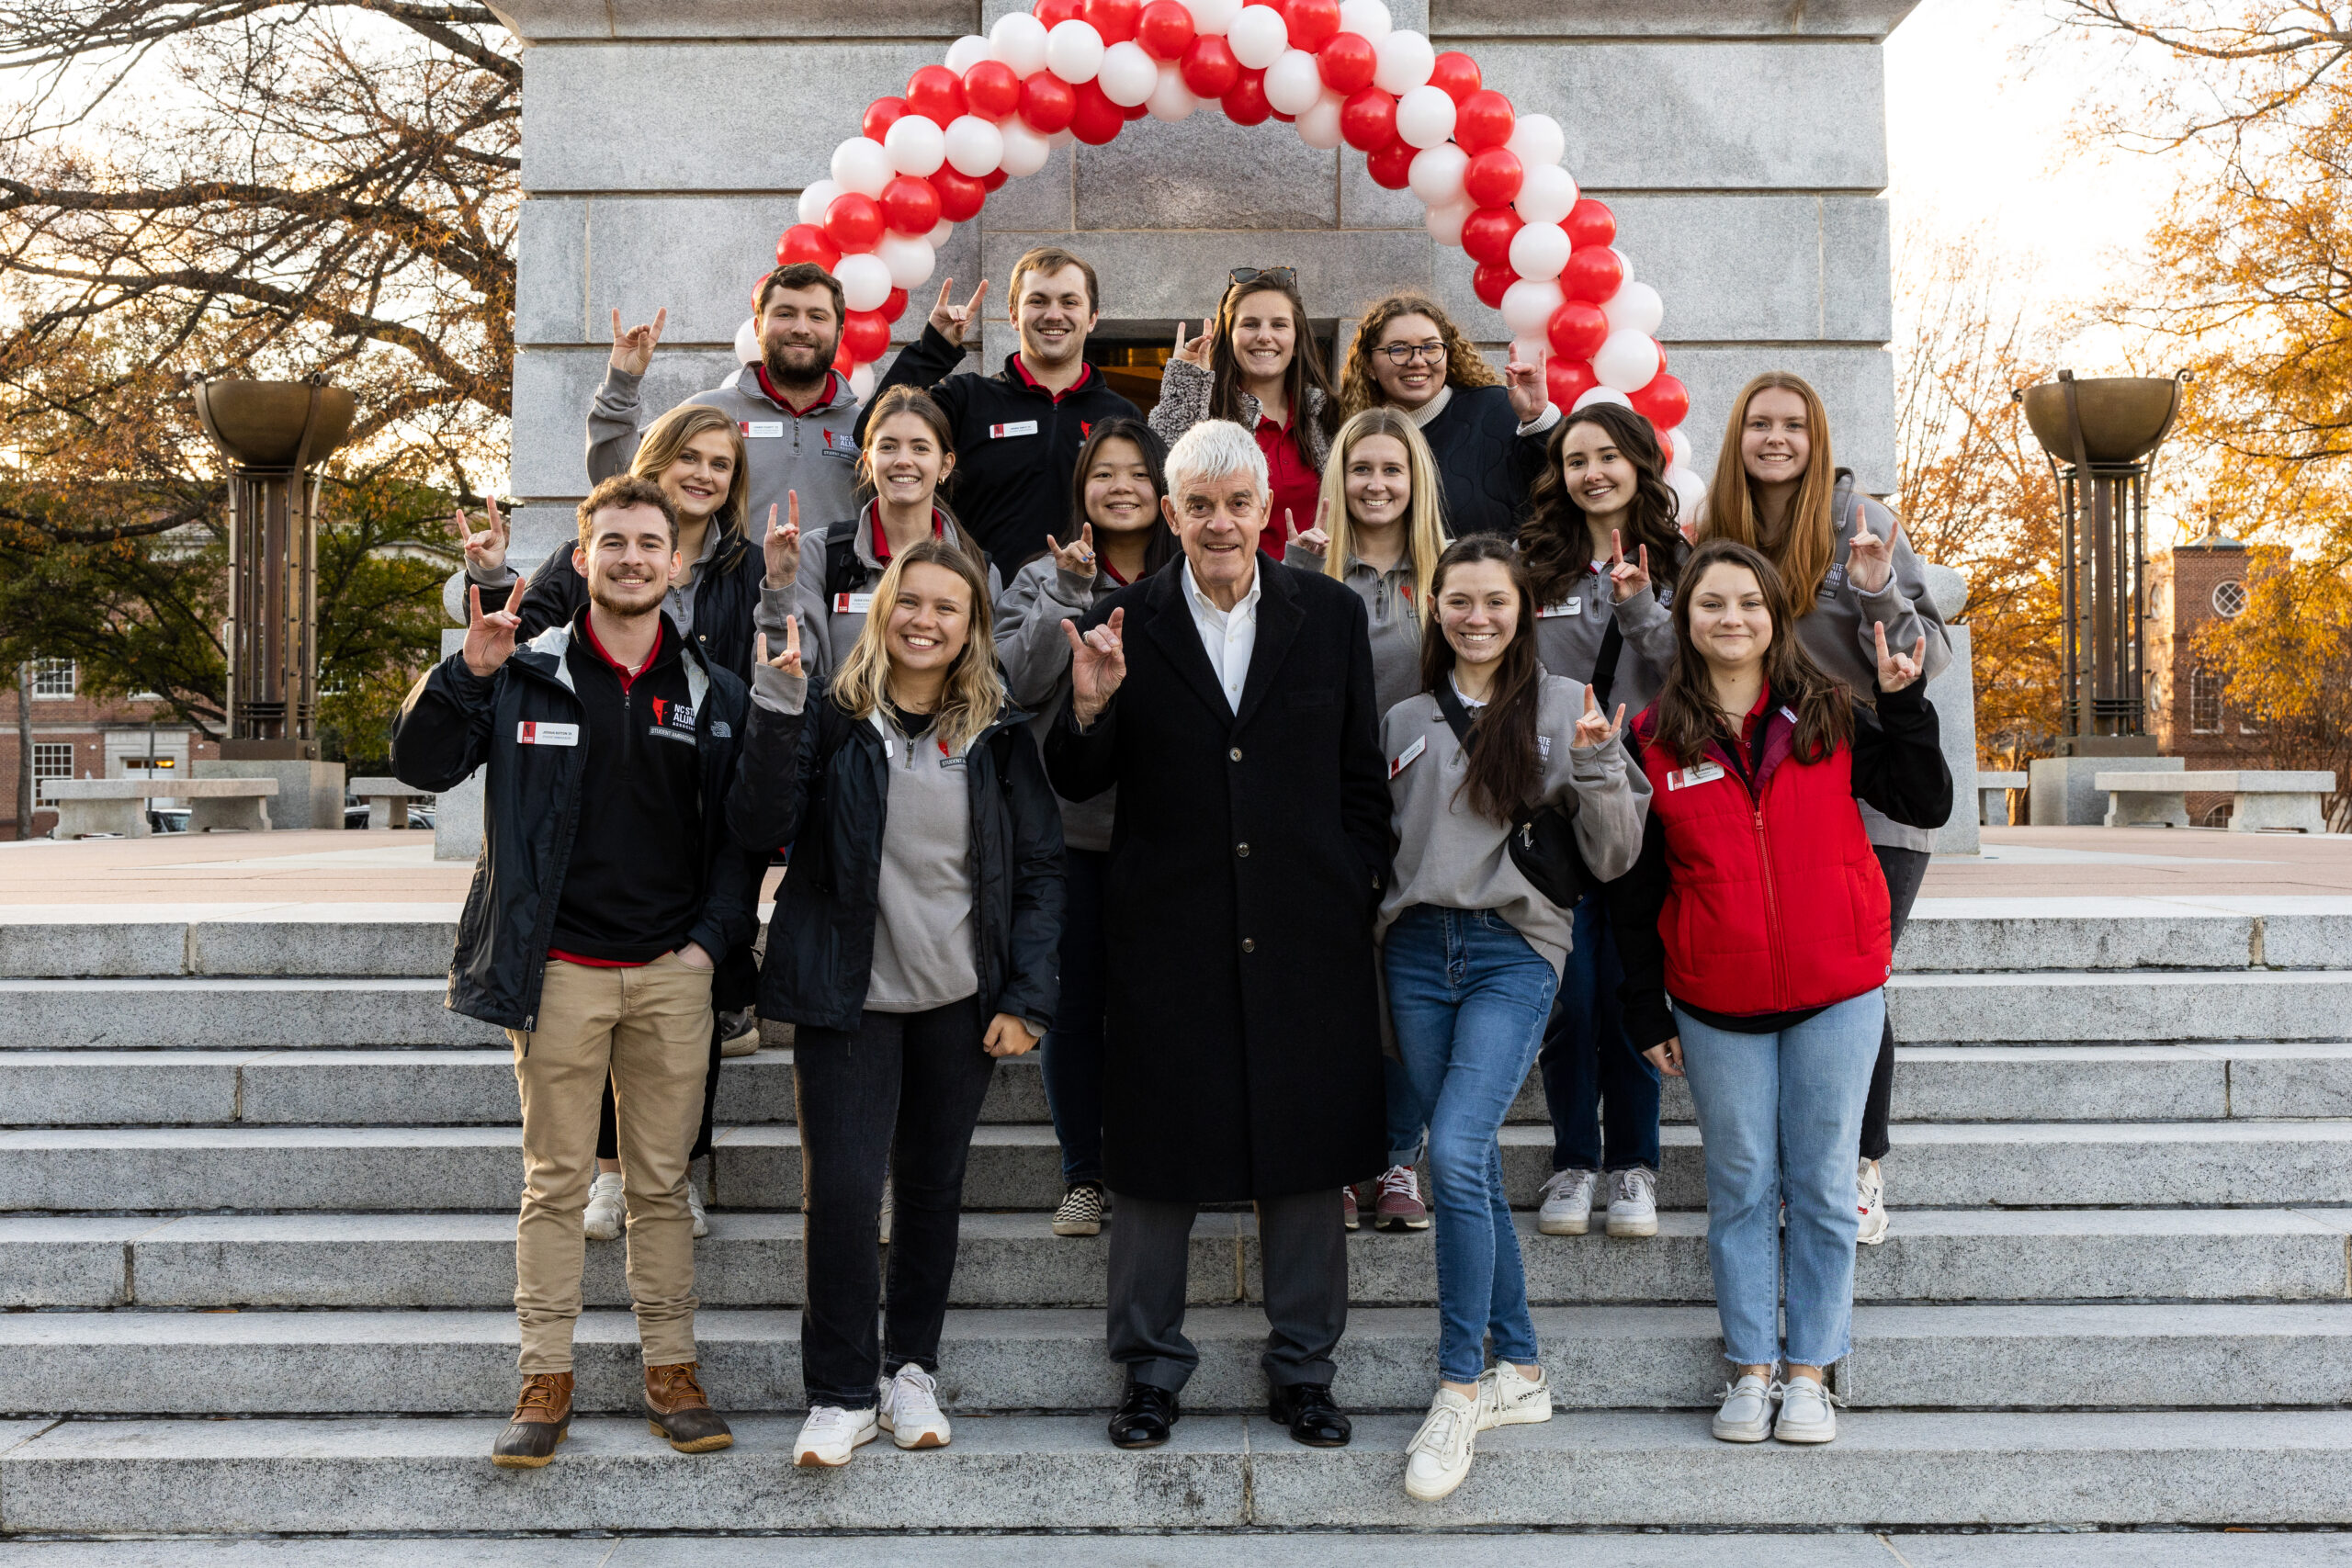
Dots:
pixel 1486 466
pixel 818 781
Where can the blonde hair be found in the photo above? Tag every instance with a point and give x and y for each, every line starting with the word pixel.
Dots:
pixel 1425 536
pixel 667 436
pixel 974 694
pixel 1801 547
pixel 1465 366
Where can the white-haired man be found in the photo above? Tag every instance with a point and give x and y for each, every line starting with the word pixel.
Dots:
pixel 1230 701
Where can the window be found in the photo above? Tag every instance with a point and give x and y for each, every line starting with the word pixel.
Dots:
pixel 2204 701
pixel 52 760
pixel 2228 599
pixel 53 677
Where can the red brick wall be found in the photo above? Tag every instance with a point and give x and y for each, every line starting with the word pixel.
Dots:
pixel 2182 582
pixel 81 723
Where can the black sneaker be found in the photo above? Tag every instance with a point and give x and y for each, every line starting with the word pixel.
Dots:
pixel 1082 1210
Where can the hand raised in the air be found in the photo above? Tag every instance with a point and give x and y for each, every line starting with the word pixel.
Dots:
pixel 1196 350
pixel 1897 670
pixel 1098 663
pixel 1530 393
pixel 951 320
pixel 490 638
pixel 781 548
pixel 1626 578
pixel 787 662
pixel 1595 728
pixel 486 550
pixel 633 349
pixel 1869 561
pixel 1076 557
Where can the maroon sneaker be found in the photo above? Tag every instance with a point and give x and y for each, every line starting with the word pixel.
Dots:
pixel 1400 1207
pixel 1348 1208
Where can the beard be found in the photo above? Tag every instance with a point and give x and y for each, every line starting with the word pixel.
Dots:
pixel 797 365
pixel 628 600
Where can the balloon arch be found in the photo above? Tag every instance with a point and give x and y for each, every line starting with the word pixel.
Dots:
pixel 1339 71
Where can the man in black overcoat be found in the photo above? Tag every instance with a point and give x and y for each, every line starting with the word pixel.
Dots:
pixel 1229 699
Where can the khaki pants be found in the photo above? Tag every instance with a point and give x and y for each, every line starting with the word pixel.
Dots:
pixel 649 1028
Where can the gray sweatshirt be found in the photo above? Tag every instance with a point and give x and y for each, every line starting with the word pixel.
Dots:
pixel 1034 654
pixel 830 628
pixel 1455 858
pixel 1395 622
pixel 816 456
pixel 1568 636
pixel 924 952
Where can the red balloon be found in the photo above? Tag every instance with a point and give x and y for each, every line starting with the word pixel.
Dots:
pixel 1165 29
pixel 866 334
pixel 1591 223
pixel 1593 273
pixel 1665 403
pixel 853 221
pixel 1456 72
pixel 1390 166
pixel 1313 23
pixel 843 362
pixel 1052 12
pixel 1114 20
pixel 880 115
pixel 1661 354
pixel 1493 177
pixel 1047 103
pixel 960 194
pixel 1347 63
pixel 1485 233
pixel 1098 119
pixel 1209 68
pixel 1368 120
pixel 1245 101
pixel 1482 121
pixel 1566 381
pixel 1490 282
pixel 935 93
pixel 992 89
pixel 993 181
pixel 1136 112
pixel 1577 329
pixel 909 205
pixel 806 243
pixel 894 305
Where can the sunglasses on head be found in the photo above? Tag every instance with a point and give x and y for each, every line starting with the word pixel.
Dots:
pixel 1282 277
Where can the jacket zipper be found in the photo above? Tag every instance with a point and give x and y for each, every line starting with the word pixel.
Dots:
pixel 1771 904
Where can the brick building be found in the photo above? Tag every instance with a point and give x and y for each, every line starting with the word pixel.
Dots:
pixel 2189 586
pixel 74 736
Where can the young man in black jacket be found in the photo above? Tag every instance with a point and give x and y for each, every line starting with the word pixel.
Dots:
pixel 1017 432
pixel 608 893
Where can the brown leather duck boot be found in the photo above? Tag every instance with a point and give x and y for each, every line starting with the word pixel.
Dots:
pixel 680 1412
pixel 542 1417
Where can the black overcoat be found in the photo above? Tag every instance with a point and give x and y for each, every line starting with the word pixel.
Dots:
pixel 1242 1049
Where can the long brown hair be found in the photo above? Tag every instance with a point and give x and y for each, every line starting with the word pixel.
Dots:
pixel 1687 718
pixel 1163 547
pixel 1465 366
pixel 1424 513
pixel 667 436
pixel 974 694
pixel 1505 775
pixel 1802 546
pixel 1305 365
pixel 1555 539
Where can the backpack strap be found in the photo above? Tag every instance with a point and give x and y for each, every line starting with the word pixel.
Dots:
pixel 1604 667
pixel 1457 717
pixel 841 550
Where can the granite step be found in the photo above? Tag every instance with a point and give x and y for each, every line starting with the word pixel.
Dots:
pixel 230 1015
pixel 1603 1469
pixel 2129 1007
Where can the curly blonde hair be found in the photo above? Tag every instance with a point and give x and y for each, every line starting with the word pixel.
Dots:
pixel 1465 366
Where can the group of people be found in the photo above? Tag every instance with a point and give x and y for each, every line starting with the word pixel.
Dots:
pixel 1301 766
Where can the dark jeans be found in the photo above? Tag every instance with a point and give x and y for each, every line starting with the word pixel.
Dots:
pixel 1905 870
pixel 608 1132
pixel 1602 1096
pixel 1304 1244
pixel 1073 1047
pixel 904 1093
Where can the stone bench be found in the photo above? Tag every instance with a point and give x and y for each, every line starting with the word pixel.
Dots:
pixel 1993 797
pixel 2262 800
pixel 388 801
pixel 119 806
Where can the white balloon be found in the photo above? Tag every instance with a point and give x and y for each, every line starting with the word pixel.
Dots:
pixel 1540 249
pixel 747 343
pixel 1625 262
pixel 908 258
pixel 1025 152
pixel 1531 350
pixel 916 144
pixel 1626 361
pixel 1212 16
pixel 1527 305
pixel 861 382
pixel 862 165
pixel 1294 81
pixel 1592 395
pixel 1405 61
pixel 1128 75
pixel 1018 39
pixel 939 234
pixel 1635 306
pixel 1368 20
pixel 864 281
pixel 1547 194
pixel 1171 100
pixel 1319 126
pixel 966 52
pixel 1425 116
pixel 1061 138
pixel 1436 173
pixel 816 200
pixel 1679 440
pixel 1258 37
pixel 1444 223
pixel 975 146
pixel 1689 493
pixel 1538 140
pixel 1074 51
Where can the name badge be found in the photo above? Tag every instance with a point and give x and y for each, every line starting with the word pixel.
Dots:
pixel 757 429
pixel 1018 427
pixel 1404 757
pixel 530 733
pixel 1706 772
pixel 1788 713
pixel 1565 607
pixel 853 604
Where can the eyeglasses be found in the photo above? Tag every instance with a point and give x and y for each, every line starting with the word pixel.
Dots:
pixel 1406 353
pixel 1280 277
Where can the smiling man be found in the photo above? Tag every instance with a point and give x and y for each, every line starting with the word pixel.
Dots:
pixel 1230 702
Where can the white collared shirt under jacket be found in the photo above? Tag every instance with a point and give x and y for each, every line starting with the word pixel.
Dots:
pixel 1228 636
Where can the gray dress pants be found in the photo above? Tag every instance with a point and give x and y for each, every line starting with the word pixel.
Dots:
pixel 1304 1244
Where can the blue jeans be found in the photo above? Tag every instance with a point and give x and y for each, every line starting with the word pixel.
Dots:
pixel 1073 1049
pixel 1601 1095
pixel 1779 1114
pixel 1468 997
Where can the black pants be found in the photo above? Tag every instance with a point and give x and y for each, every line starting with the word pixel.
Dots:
pixel 1073 1049
pixel 608 1132
pixel 1304 1242
pixel 1904 869
pixel 902 1093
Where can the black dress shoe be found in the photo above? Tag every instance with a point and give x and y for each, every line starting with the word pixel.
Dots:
pixel 1144 1418
pixel 1307 1409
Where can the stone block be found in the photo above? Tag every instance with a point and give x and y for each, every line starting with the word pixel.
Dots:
pixel 1991 935
pixel 1961 1254
pixel 457 813
pixel 76 1089
pixel 2229 1163
pixel 1365 203
pixel 271 944
pixel 1045 201
pixel 2061 793
pixel 67 1262
pixel 1952 690
pixel 310 795
pixel 2068 1008
pixel 1479 19
pixel 1857 385
pixel 553 388
pixel 57 1170
pixel 2288 1080
pixel 1163 276
pixel 1205 172
pixel 552 303
pixel 2036 1083
pixel 37 942
pixel 221 1014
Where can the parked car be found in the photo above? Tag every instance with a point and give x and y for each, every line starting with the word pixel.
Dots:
pixel 167 818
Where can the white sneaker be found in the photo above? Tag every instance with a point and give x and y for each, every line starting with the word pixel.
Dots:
pixel 1439 1455
pixel 831 1435
pixel 1747 1413
pixel 1567 1203
pixel 1806 1413
pixel 1507 1398
pixel 694 1207
pixel 909 1410
pixel 607 1207
pixel 1633 1209
pixel 1870 1197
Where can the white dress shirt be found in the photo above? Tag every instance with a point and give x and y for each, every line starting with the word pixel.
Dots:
pixel 1227 636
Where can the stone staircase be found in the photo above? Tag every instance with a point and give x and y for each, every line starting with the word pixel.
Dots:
pixel 251 1168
